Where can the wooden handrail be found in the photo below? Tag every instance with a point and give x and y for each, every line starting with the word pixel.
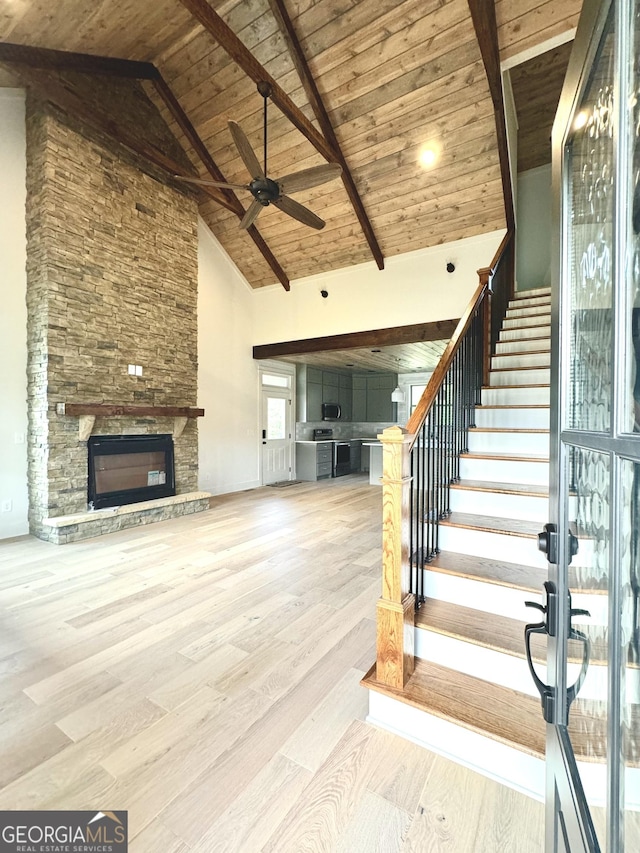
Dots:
pixel 433 386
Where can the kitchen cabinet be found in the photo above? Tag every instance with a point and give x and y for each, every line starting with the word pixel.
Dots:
pixel 362 397
pixel 314 401
pixel 313 460
pixel 372 397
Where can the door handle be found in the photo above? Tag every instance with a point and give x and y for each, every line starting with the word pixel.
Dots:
pixel 547 626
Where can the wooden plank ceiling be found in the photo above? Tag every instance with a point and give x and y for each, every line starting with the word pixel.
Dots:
pixel 393 76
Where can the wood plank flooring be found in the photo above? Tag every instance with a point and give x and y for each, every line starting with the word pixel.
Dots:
pixel 203 674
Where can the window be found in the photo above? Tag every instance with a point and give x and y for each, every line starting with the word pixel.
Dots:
pixel 414 397
pixel 276 381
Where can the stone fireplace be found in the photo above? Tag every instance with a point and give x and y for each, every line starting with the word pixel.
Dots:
pixel 112 284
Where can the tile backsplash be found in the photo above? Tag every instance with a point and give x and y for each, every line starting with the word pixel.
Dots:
pixel 341 430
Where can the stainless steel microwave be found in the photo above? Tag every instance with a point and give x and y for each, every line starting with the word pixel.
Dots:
pixel 331 412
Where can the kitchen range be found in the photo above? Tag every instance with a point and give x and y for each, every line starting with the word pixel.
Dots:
pixel 324 456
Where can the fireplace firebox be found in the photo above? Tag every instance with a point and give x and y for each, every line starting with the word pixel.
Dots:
pixel 127 469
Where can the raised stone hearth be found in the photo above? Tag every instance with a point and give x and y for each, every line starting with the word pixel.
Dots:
pixel 112 282
pixel 85 525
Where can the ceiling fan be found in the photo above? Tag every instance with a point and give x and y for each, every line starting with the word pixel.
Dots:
pixel 266 191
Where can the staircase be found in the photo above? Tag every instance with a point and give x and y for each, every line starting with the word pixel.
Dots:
pixel 471 697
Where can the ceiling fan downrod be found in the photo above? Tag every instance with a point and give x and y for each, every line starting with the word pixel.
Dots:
pixel 265 90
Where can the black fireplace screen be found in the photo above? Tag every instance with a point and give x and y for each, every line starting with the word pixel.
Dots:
pixel 127 469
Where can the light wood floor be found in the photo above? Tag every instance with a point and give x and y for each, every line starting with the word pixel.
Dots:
pixel 203 674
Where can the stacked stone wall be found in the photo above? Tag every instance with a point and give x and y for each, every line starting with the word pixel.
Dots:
pixel 112 281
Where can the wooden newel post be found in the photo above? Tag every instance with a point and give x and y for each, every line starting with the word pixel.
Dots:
pixel 396 606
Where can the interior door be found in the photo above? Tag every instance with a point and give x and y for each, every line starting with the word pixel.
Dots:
pixel 277 435
pixel 591 701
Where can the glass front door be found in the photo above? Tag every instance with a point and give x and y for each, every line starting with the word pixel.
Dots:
pixel 593 744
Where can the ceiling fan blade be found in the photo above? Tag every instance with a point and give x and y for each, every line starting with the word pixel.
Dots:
pixel 252 214
pixel 246 151
pixel 299 211
pixel 312 177
pixel 206 183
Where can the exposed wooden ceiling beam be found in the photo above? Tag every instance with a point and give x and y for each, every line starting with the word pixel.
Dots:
pixel 229 199
pixel 483 14
pixel 71 103
pixel 285 23
pixel 34 61
pixel 229 41
pixel 62 60
pixel 438 330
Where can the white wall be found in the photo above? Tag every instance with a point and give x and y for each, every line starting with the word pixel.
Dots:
pixel 228 388
pixel 533 236
pixel 413 288
pixel 13 317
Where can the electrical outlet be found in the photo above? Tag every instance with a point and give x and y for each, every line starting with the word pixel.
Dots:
pixel 138 370
pixel 7 506
pixel 18 438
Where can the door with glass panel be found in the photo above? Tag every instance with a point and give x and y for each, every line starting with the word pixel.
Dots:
pixel 277 428
pixel 592 695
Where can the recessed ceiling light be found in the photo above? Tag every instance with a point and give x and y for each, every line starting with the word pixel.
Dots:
pixel 429 155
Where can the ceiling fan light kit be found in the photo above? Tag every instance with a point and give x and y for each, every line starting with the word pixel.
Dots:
pixel 266 191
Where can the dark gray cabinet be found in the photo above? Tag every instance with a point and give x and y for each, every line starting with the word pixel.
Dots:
pixel 362 397
pixel 313 460
pixel 372 397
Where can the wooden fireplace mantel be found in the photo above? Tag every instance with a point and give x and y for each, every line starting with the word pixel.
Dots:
pixel 88 412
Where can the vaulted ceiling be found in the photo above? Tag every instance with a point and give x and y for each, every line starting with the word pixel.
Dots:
pixel 390 77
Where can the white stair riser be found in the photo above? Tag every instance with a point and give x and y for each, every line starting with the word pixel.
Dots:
pixel 534 293
pixel 508 442
pixel 512 361
pixel 534 376
pixel 512 418
pixel 509 670
pixel 523 507
pixel 525 396
pixel 495 760
pixel 504 471
pixel 544 300
pixel 524 346
pixel 526 322
pixel 516 334
pixel 528 311
pixel 489 597
pixel 496 546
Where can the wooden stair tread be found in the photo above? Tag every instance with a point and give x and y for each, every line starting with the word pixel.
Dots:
pixel 518 406
pixel 493 387
pixel 509 457
pixel 546 338
pixel 507 430
pixel 519 354
pixel 499 633
pixel 502 488
pixel 492 524
pixel 521 367
pixel 499 713
pixel 488 709
pixel 529 579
